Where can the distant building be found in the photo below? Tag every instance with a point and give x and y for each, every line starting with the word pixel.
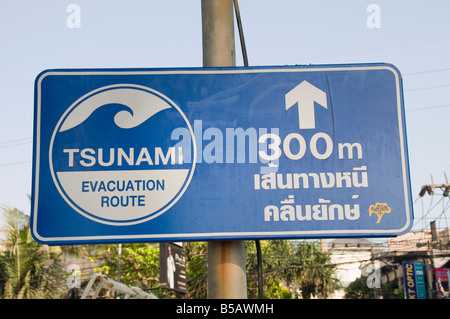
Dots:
pixel 352 256
pixel 432 248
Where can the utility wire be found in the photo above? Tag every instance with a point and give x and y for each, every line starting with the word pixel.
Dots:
pixel 14 163
pixel 12 143
pixel 426 72
pixel 241 32
pixel 15 144
pixel 424 218
pixel 429 87
pixel 15 141
pixel 428 108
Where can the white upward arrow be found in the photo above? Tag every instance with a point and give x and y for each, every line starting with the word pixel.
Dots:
pixel 305 94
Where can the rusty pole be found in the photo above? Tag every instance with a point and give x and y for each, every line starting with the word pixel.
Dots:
pixel 226 259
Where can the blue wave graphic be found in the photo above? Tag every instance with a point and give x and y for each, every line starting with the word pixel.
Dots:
pixel 143 105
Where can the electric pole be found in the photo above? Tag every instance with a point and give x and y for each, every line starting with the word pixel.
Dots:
pixel 430 188
pixel 226 259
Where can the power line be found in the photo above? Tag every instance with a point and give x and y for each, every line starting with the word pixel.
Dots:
pixel 430 209
pixel 14 163
pixel 429 87
pixel 426 72
pixel 15 144
pixel 15 141
pixel 428 108
pixel 430 189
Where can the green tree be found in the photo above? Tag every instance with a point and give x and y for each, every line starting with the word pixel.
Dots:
pixel 358 289
pixel 196 264
pixel 292 269
pixel 31 270
pixel 27 269
pixel 139 266
pixel 314 270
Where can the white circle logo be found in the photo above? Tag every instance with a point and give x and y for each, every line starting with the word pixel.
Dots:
pixel 112 158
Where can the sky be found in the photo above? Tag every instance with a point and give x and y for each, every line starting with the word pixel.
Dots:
pixel 412 35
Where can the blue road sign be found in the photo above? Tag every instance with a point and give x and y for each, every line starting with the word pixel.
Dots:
pixel 140 155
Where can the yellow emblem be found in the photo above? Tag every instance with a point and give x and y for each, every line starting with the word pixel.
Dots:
pixel 379 209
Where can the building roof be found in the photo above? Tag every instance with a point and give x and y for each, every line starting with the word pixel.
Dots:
pixel 355 244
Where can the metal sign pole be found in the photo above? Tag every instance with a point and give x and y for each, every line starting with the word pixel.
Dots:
pixel 226 259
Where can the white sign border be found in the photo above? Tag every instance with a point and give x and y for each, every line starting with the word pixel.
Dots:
pixel 232 235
